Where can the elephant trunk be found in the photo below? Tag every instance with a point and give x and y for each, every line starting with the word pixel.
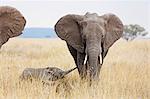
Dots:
pixel 68 71
pixel 93 54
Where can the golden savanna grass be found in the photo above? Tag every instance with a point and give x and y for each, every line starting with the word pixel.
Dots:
pixel 124 75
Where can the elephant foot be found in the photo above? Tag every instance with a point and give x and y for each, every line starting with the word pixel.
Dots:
pixel 83 73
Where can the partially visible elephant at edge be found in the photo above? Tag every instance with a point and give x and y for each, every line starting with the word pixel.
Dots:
pixel 89 38
pixel 12 23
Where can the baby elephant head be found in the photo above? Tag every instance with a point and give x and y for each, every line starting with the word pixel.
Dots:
pixel 56 73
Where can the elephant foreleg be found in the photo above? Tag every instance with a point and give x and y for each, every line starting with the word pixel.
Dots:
pixel 73 53
pixel 99 64
pixel 80 64
pixel 79 60
pixel 104 52
pixel 103 55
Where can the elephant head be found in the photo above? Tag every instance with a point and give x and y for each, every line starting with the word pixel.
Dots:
pixel 12 23
pixel 90 34
pixel 57 73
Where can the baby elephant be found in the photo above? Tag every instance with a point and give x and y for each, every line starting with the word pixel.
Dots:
pixel 44 74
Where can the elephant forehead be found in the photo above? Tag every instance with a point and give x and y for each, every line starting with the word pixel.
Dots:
pixel 95 19
pixel 93 28
pixel 91 16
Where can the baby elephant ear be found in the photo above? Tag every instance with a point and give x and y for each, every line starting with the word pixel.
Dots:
pixel 67 28
pixel 12 23
pixel 113 28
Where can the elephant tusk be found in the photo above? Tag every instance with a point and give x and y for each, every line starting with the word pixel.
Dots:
pixel 85 59
pixel 101 62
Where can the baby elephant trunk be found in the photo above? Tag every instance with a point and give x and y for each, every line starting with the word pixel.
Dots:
pixel 68 71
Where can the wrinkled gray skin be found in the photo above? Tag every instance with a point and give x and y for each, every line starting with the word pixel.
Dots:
pixel 89 38
pixel 44 74
pixel 12 23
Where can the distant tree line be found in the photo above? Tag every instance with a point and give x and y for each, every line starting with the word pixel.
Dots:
pixel 132 31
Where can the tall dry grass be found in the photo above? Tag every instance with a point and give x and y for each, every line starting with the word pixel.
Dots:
pixel 124 75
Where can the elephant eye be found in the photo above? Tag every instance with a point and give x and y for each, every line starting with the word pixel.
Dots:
pixel 50 72
pixel 84 38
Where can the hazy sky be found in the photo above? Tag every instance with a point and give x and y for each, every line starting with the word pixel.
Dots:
pixel 44 13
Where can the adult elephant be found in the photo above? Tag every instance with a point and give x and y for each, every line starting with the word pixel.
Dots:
pixel 89 38
pixel 12 23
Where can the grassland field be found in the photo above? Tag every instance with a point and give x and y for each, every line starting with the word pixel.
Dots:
pixel 125 73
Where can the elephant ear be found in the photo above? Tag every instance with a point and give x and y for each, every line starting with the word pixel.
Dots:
pixel 12 22
pixel 67 28
pixel 113 28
